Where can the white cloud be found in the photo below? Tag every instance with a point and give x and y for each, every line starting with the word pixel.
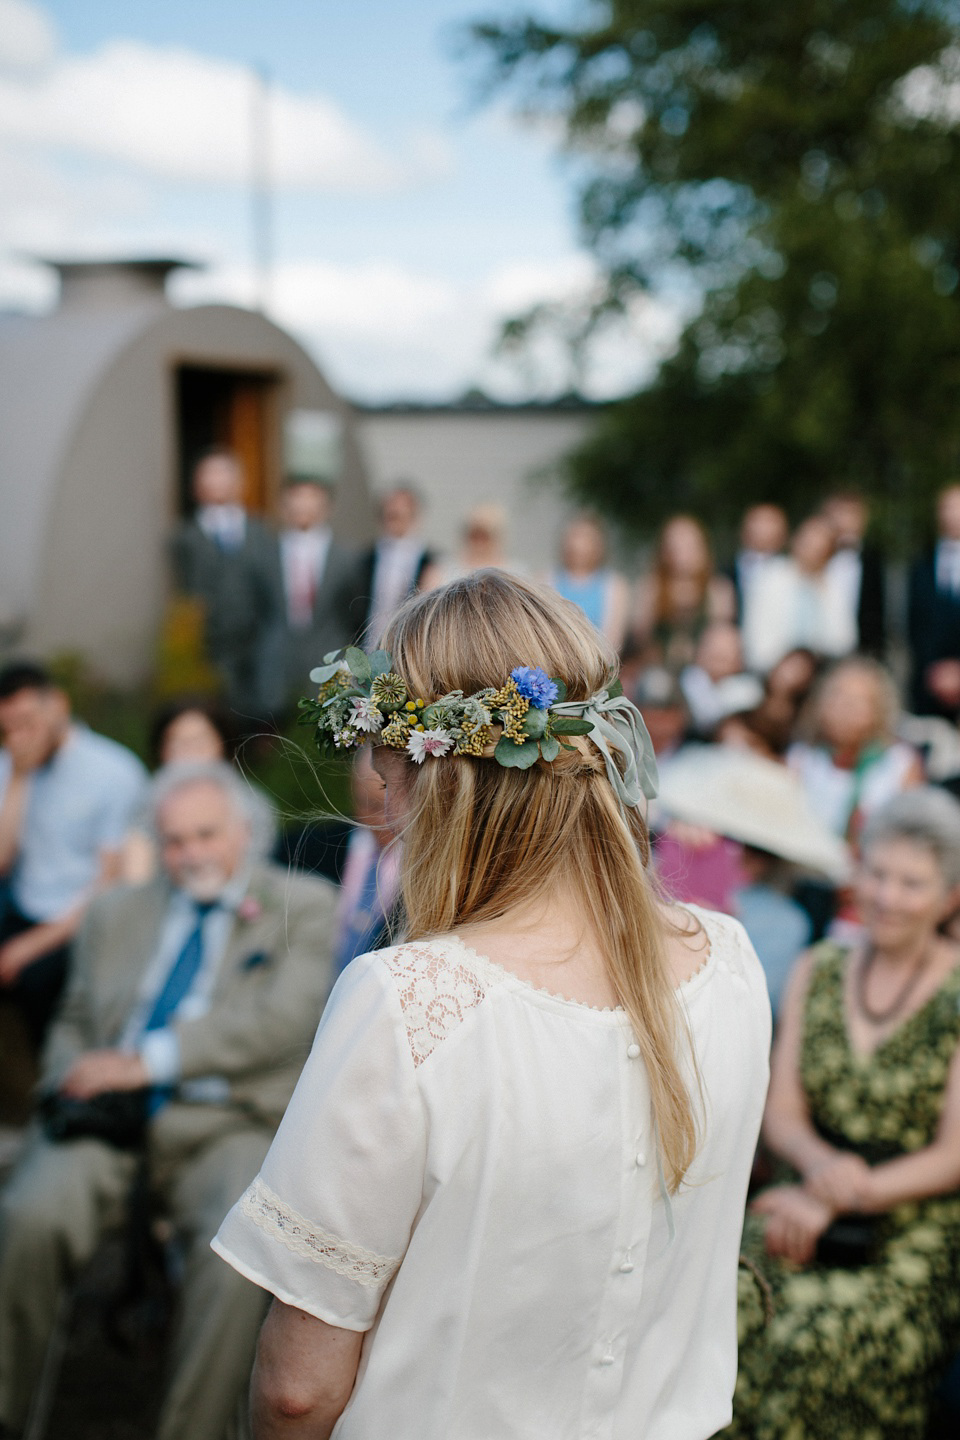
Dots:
pixel 183 116
pixel 28 39
pixel 385 331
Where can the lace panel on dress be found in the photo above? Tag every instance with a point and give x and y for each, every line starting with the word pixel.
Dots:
pixel 435 994
pixel 305 1238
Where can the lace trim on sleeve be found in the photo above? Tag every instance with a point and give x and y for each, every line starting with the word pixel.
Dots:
pixel 436 993
pixel 312 1242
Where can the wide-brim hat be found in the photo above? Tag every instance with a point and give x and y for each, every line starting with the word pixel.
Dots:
pixel 758 802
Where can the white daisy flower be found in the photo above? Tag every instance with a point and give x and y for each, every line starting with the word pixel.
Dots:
pixel 364 715
pixel 428 742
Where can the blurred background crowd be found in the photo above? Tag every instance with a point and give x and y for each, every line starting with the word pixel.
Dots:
pixel 792 692
pixel 722 421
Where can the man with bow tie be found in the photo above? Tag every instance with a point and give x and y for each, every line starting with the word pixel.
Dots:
pixel 196 996
pixel 933 621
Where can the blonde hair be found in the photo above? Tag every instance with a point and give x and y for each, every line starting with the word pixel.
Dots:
pixel 483 839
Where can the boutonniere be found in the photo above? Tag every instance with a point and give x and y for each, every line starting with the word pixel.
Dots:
pixel 249 909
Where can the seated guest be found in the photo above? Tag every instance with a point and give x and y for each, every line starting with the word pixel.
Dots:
pixel 192 731
pixel 199 994
pixel 715 685
pixel 183 732
pixel 853 762
pixel 736 827
pixel 67 797
pixel 861 1248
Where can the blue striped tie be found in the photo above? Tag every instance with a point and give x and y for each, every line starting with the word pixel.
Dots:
pixel 176 987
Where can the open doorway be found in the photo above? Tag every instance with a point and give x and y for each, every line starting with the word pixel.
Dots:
pixel 235 409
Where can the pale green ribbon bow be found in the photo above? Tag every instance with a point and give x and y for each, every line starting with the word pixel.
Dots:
pixel 618 727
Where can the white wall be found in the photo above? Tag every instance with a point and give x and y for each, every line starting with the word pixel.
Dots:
pixel 459 459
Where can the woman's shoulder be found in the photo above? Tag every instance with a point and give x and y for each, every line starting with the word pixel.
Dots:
pixel 436 982
pixel 728 944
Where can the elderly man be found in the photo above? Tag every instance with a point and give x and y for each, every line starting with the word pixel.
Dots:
pixel 200 992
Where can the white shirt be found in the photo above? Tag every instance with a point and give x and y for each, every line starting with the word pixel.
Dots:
pixel 225 525
pixel 467 1170
pixel 786 608
pixel 304 557
pixel 948 566
pixel 159 1049
pixel 845 567
pixel 82 802
pixel 835 792
pixel 395 567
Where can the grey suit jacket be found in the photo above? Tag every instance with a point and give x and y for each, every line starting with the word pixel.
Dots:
pixel 272 982
pixel 338 619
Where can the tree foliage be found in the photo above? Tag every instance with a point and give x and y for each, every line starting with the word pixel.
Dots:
pixel 797 165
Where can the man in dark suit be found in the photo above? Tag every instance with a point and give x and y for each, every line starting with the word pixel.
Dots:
pixel 394 567
pixel 859 569
pixel 933 616
pixel 318 583
pixel 222 557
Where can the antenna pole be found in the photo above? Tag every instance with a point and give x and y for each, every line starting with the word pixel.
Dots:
pixel 261 197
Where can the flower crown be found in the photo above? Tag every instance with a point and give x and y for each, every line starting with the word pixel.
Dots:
pixel 361 698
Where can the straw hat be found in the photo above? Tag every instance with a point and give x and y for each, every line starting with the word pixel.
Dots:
pixel 741 795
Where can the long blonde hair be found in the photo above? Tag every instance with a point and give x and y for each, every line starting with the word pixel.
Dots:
pixel 483 839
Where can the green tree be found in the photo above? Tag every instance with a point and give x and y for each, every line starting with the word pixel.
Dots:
pixel 797 167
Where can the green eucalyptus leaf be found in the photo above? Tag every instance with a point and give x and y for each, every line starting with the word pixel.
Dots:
pixel 380 663
pixel 549 747
pixel 516 757
pixel 324 672
pixel 534 723
pixel 359 663
pixel 561 690
pixel 614 689
pixel 568 725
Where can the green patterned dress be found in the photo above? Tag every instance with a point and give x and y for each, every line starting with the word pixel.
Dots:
pixel 854 1354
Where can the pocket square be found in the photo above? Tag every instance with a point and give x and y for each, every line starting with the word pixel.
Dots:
pixel 251 962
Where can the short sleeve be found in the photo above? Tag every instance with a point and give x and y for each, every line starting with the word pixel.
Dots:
pixel 122 799
pixel 327 1221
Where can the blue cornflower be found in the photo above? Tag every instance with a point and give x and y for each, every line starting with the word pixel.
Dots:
pixel 535 685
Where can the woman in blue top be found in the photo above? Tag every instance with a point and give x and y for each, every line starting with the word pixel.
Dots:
pixel 584 577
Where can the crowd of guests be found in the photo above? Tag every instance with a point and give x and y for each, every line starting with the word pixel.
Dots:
pixel 168 974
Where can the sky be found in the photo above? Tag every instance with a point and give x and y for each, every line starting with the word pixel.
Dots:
pixel 408 221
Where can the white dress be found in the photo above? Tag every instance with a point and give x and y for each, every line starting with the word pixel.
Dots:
pixel 467 1170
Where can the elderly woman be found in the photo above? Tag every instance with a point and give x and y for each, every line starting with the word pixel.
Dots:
pixel 863 1244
